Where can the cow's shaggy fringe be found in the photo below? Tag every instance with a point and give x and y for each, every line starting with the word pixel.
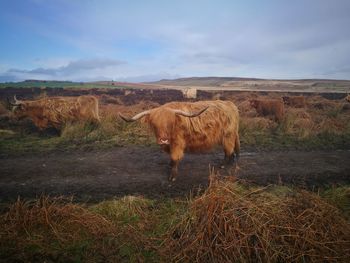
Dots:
pixel 233 223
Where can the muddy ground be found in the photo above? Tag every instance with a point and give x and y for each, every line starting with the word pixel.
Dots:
pixel 136 170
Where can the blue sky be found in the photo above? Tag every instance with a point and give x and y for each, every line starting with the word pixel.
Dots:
pixel 148 40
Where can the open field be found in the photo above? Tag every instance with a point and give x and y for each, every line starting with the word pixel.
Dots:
pixel 287 201
pixel 202 83
pixel 251 84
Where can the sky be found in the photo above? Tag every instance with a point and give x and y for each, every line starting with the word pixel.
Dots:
pixel 148 40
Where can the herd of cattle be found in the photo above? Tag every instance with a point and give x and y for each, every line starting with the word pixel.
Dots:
pixel 177 126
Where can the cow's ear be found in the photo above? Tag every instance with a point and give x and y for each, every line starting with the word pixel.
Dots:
pixel 145 119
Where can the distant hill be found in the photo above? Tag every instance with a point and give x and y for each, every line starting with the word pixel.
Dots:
pixel 255 84
pixel 46 81
pixel 201 81
pixel 232 81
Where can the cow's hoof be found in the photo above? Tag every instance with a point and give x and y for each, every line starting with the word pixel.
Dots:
pixel 172 179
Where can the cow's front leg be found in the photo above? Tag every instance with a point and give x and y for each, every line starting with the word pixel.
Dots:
pixel 174 170
pixel 176 155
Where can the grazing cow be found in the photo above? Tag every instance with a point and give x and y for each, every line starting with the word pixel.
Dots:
pixel 56 111
pixel 274 108
pixel 193 127
pixel 294 101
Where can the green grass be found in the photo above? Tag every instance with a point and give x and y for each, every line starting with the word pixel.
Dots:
pixel 339 197
pixel 77 136
pixel 82 136
pixel 293 133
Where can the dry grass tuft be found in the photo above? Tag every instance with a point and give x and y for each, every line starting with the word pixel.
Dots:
pixel 258 123
pixel 297 122
pixel 55 230
pixel 233 223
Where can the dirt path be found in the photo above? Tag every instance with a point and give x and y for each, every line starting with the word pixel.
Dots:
pixel 142 170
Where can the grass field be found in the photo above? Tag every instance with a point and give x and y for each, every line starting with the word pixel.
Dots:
pixel 230 221
pixel 323 124
pixel 58 84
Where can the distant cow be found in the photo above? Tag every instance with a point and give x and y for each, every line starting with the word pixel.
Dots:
pixel 347 98
pixel 189 93
pixel 273 108
pixel 56 111
pixel 194 127
pixel 295 101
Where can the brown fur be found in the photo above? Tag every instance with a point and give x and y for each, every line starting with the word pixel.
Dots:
pixel 273 108
pixel 347 98
pixel 218 125
pixel 56 111
pixel 295 101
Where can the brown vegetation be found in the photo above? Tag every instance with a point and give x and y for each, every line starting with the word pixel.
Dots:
pixel 52 229
pixel 233 223
pixel 323 122
pixel 229 222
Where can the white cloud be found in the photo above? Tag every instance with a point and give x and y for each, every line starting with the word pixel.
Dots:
pixel 74 70
pixel 274 39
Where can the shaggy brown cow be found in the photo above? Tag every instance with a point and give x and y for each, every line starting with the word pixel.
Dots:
pixel 274 108
pixel 194 127
pixel 56 111
pixel 295 101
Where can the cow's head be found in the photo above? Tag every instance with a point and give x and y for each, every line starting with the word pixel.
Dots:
pixel 286 99
pixel 19 108
pixel 162 120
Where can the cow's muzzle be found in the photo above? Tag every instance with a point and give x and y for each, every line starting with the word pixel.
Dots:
pixel 163 141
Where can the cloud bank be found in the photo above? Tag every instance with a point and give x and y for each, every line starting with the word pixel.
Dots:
pixel 144 40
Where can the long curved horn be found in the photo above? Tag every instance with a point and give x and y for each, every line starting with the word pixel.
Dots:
pixel 188 114
pixel 136 117
pixel 17 102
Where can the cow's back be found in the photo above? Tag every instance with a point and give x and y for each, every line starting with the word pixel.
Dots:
pixel 87 108
pixel 208 129
pixel 60 110
pixel 271 107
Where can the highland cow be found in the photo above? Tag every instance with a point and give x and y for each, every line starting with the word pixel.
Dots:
pixel 57 111
pixel 294 101
pixel 194 127
pixel 274 108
